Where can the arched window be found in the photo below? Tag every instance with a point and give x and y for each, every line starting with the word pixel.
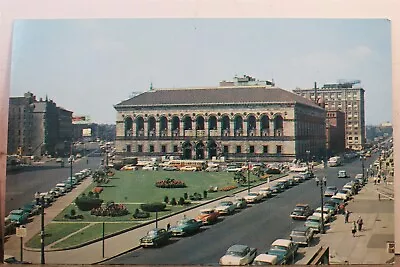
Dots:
pixel 163 125
pixel 139 126
pixel 278 125
pixel 128 126
pixel 151 126
pixel 200 123
pixel 251 125
pixel 238 125
pixel 264 125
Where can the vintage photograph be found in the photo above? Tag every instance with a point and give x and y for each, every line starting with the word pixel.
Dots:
pixel 200 142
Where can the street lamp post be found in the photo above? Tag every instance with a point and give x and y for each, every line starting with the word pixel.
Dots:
pixel 70 165
pixel 308 159
pixel 362 158
pixel 322 205
pixel 248 177
pixel 42 235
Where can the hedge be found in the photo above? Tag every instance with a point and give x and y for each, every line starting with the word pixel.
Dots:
pixel 153 207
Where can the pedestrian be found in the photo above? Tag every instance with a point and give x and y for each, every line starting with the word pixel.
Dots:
pixel 374 180
pixel 346 216
pixel 168 226
pixel 379 179
pixel 324 179
pixel 384 179
pixel 184 216
pixel 360 223
pixel 317 180
pixel 354 229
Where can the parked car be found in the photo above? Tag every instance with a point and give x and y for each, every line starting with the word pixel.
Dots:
pixel 276 189
pixel 265 192
pixel 59 160
pixel 238 255
pixel 31 208
pixel 170 168
pixel 342 174
pixel 186 227
pixel 188 169
pixel 233 169
pixel 155 238
pixel 330 191
pixel 298 178
pixel 302 235
pixel 212 169
pixel 150 168
pixel 265 259
pixel 208 216
pixel 18 216
pixel 8 259
pixel 314 222
pixel 253 197
pixel 225 207
pixel 343 194
pixel 284 249
pixel 327 214
pixel 240 203
pixel 301 211
pixel 130 167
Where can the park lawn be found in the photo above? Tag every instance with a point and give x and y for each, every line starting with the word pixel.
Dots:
pixel 93 232
pixel 54 232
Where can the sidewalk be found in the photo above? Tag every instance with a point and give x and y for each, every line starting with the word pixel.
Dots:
pixel 92 253
pixel 370 245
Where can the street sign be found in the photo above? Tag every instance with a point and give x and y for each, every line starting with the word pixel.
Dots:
pixel 21 231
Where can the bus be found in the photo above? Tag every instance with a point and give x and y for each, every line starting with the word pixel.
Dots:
pixel 334 161
pixel 199 164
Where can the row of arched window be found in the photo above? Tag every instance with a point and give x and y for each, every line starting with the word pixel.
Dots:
pixel 175 126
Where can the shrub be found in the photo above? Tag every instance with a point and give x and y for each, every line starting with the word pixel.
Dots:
pixel 166 199
pixel 97 190
pixel 205 194
pixel 181 201
pixel 228 188
pixel 139 214
pixel 110 209
pixel 96 195
pixel 173 202
pixel 153 207
pixel 185 196
pixel 85 203
pixel 195 196
pixel 90 194
pixel 73 212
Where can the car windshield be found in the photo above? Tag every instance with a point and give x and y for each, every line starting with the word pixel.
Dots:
pixel 226 203
pixel 236 253
pixel 343 191
pixel 313 220
pixel 261 263
pixel 207 212
pixel 298 233
pixel 331 188
pixel 252 194
pixel 182 223
pixel 152 233
pixel 279 247
pixel 299 209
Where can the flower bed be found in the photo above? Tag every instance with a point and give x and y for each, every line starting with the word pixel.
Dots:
pixel 228 188
pixel 265 177
pixel 170 183
pixel 97 189
pixel 111 209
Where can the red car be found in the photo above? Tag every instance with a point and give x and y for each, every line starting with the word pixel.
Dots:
pixel 208 216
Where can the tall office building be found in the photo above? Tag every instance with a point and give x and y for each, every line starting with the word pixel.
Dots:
pixel 345 97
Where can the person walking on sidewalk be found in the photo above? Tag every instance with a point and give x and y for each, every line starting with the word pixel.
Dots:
pixel 346 216
pixel 168 227
pixel 354 229
pixel 317 180
pixel 374 180
pixel 360 223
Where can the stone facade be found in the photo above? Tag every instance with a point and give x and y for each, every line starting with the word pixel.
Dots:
pixel 257 123
pixel 335 132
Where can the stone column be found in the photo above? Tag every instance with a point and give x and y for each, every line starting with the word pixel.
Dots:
pixel 158 128
pixel 134 127
pixel 219 126
pixel 169 127
pixel 232 127
pixel 258 127
pixel 206 133
pixel 271 127
pixel 146 127
pixel 181 131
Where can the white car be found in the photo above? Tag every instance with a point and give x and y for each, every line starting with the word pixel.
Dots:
pixel 342 194
pixel 253 197
pixel 348 187
pixel 233 169
pixel 327 216
pixel 265 192
pixel 212 169
pixel 265 259
pixel 59 160
pixel 150 168
pixel 188 168
pixel 238 255
pixel 226 207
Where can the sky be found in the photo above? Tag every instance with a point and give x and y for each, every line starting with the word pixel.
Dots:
pixel 87 66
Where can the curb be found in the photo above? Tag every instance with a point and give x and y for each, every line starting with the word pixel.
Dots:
pixel 147 223
pixel 137 247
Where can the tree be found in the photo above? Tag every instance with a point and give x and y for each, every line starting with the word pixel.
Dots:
pixel 240 178
pixel 166 199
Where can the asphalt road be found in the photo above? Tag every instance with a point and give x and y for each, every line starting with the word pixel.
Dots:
pixel 22 185
pixel 257 226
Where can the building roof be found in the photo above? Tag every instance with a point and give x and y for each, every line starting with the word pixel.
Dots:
pixel 215 95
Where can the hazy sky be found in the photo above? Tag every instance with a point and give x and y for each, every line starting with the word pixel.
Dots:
pixel 87 66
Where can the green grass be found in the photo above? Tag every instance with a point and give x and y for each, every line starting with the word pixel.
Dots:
pixel 93 232
pixel 54 232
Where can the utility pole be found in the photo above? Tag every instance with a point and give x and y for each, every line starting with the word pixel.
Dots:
pixel 70 165
pixel 248 177
pixel 322 206
pixel 42 235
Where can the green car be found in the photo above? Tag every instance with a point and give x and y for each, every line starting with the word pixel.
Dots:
pixel 18 216
pixel 314 222
pixel 31 209
pixel 186 227
pixel 155 238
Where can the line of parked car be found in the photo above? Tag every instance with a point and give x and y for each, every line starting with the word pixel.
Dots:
pixel 21 216
pixel 281 251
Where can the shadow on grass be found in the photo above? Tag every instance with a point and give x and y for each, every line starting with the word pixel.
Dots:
pixel 107 185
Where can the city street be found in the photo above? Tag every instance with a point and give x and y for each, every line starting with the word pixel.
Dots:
pixel 22 185
pixel 257 226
